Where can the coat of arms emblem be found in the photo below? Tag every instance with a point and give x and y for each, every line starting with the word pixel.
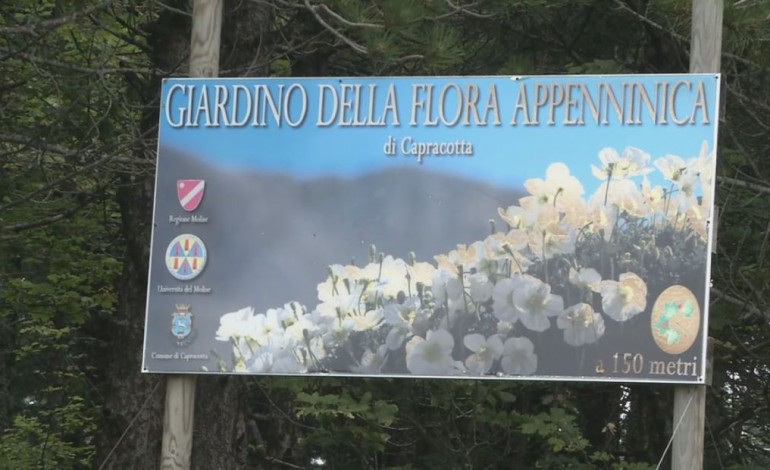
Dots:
pixel 181 321
pixel 190 193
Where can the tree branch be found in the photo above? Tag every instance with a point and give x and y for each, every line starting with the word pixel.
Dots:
pixel 47 220
pixel 347 22
pixel 354 45
pixel 751 309
pixel 6 53
pixel 49 25
pixel 677 36
pixel 66 152
pixel 744 184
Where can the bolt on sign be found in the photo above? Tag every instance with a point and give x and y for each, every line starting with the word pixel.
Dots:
pixel 527 227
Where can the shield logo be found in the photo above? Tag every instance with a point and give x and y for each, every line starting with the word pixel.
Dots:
pixel 186 257
pixel 181 321
pixel 190 193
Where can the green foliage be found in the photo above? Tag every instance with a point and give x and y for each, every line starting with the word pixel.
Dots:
pixel 557 428
pixel 360 419
pixel 46 440
pixel 386 423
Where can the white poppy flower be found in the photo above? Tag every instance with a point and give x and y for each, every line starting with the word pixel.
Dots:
pixel 448 289
pixel 279 356
pixel 343 303
pixel 624 298
pixel 697 219
pixel 235 324
pixel 480 287
pixel 633 162
pixel 516 217
pixel 365 322
pixel 301 326
pixel 672 167
pixel 581 325
pixel 388 277
pixel 552 240
pixel 585 278
pixel 502 295
pixel 420 273
pixel 265 326
pixel 400 317
pixel 557 189
pixel 371 362
pixel 621 193
pixel 535 303
pixel 485 352
pixel 432 355
pixel 654 197
pixel 519 357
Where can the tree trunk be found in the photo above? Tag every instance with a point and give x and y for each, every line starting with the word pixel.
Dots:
pixel 219 429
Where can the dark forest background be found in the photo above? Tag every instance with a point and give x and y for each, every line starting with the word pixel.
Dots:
pixel 79 89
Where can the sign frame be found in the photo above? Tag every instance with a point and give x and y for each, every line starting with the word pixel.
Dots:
pixel 403 116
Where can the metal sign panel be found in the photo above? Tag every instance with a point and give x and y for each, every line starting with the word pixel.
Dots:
pixel 528 227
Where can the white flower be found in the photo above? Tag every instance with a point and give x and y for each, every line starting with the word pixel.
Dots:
pixel 365 322
pixel 371 362
pixel 348 271
pixel 603 220
pixel 401 317
pixel 697 219
pixel 331 288
pixel 581 325
pixel 625 298
pixel 672 167
pixel 265 326
pixel 467 256
pixel 633 162
pixel 343 302
pixel 575 213
pixel 703 166
pixel 421 273
pixel 480 287
pixel 280 356
pixel 516 217
pixel 506 248
pixel 654 197
pixel 320 323
pixel 551 240
pixel 585 278
pixel 502 295
pixel 448 289
pixel 485 352
pixel 332 329
pixel 519 357
pixel 431 356
pixel 388 277
pixel 622 194
pixel 504 328
pixel 556 190
pixel 535 303
pixel 298 328
pixel 235 324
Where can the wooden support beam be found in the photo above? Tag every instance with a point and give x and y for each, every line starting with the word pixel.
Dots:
pixel 176 452
pixel 690 400
pixel 706 44
pixel 178 422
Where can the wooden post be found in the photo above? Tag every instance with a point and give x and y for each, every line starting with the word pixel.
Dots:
pixel 690 400
pixel 706 44
pixel 178 417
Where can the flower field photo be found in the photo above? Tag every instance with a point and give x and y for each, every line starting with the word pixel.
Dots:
pixel 561 272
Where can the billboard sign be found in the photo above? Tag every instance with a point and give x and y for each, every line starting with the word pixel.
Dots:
pixel 527 227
